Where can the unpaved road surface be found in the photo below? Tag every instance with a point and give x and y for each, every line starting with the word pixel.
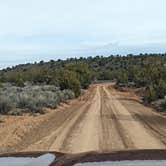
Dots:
pixel 103 119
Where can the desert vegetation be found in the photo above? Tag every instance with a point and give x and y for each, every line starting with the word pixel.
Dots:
pixel 31 98
pixel 40 86
pixel 144 70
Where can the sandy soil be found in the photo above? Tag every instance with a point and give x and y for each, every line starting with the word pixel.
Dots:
pixel 103 119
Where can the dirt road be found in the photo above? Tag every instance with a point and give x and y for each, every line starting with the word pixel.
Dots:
pixel 103 119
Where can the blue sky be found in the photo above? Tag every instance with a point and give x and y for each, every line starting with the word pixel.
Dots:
pixel 31 30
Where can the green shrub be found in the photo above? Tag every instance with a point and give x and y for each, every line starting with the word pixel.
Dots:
pixel 83 73
pixel 122 77
pixel 105 75
pixel 161 89
pixel 23 101
pixel 68 80
pixel 150 94
pixel 5 105
pixel 19 82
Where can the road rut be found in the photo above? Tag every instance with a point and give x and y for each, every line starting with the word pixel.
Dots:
pixel 101 120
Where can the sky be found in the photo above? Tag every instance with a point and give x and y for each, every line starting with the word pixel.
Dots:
pixel 34 30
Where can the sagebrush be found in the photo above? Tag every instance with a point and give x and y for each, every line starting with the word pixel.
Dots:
pixel 31 98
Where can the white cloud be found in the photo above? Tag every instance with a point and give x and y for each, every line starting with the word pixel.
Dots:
pixel 80 27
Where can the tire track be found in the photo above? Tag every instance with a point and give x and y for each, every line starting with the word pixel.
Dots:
pixel 50 130
pixel 122 135
pixel 97 121
pixel 84 135
pixel 134 128
pixel 153 122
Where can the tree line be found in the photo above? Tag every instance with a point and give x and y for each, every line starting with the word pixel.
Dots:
pixel 144 70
